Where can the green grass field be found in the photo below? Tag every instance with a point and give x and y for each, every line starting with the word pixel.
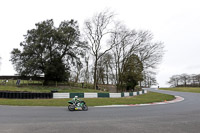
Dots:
pixel 145 98
pixel 40 83
pixel 45 89
pixel 184 89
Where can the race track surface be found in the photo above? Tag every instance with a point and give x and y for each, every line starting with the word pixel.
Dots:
pixel 181 117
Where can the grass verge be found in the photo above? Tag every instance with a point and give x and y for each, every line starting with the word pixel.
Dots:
pixel 184 89
pixel 141 99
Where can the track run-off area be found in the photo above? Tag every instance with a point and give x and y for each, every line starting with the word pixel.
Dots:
pixel 178 117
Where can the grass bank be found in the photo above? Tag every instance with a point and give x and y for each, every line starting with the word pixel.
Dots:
pixel 46 89
pixel 141 99
pixel 184 89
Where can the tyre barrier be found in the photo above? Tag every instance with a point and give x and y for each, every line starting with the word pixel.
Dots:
pixel 25 95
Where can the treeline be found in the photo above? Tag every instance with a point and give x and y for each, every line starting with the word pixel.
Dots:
pixel 185 80
pixel 105 52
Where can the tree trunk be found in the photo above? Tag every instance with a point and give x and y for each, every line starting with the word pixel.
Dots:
pixel 107 75
pixel 107 79
pixel 102 79
pixel 185 83
pixel 95 74
pixel 140 84
pixel 199 83
pixel 76 78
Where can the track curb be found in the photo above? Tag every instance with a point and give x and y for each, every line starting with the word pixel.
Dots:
pixel 177 99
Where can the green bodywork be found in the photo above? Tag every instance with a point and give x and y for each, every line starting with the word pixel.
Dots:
pixel 78 101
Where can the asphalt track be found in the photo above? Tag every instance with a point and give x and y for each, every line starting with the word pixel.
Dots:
pixel 180 117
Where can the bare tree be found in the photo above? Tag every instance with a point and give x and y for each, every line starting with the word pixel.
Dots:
pixel 184 78
pixel 193 79
pixel 108 63
pixel 86 71
pixel 128 42
pixel 148 79
pixel 78 68
pixel 175 80
pixel 121 37
pixel 96 29
pixel 105 69
pixel 124 43
pixel 149 52
pixel 197 77
pixel 100 71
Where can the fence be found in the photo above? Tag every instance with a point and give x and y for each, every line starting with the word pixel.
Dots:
pixel 25 95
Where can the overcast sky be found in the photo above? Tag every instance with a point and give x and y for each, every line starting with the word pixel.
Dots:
pixel 174 22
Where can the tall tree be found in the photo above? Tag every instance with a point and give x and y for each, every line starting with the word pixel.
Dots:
pixel 49 50
pixel 128 42
pixel 100 71
pixel 185 78
pixel 86 74
pixel 193 79
pixel 78 67
pixel 132 72
pixel 96 30
pixel 121 37
pixel 197 77
pixel 108 64
pixel 104 69
pixel 148 79
pixel 149 52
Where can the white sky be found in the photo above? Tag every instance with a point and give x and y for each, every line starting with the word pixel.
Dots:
pixel 174 22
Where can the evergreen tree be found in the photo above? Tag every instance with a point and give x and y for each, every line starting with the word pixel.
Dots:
pixel 49 50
